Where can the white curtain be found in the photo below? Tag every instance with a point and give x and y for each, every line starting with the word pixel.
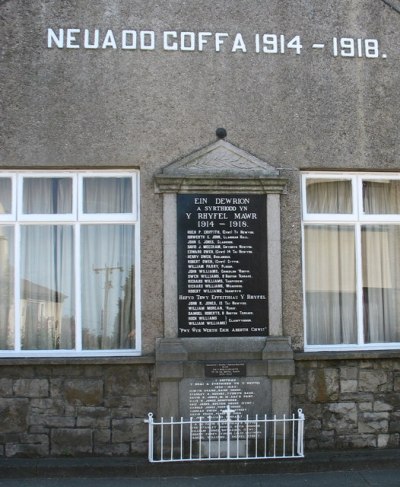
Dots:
pixel 381 197
pixel 7 307
pixel 328 196
pixel 381 282
pixel 5 195
pixel 330 284
pixel 6 288
pixel 380 247
pixel 330 271
pixel 47 305
pixel 47 195
pixel 107 195
pixel 107 279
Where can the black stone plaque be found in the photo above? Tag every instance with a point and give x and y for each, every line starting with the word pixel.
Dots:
pixel 224 369
pixel 222 265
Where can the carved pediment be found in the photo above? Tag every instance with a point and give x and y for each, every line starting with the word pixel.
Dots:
pixel 220 167
pixel 395 4
pixel 220 159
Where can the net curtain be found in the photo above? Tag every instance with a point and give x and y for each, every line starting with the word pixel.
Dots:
pixel 48 307
pixel 330 267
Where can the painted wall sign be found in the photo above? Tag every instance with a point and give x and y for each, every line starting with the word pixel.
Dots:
pixel 190 41
pixel 222 265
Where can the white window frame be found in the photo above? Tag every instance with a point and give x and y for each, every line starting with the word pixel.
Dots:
pixel 356 220
pixel 75 219
pixel 44 217
pixel 97 217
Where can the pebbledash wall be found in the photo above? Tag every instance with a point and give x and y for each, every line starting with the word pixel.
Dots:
pixel 129 87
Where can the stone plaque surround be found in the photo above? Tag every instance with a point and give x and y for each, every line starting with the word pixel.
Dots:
pixel 221 168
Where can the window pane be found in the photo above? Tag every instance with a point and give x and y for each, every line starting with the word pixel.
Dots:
pixel 6 288
pixel 47 287
pixel 5 195
pixel 107 276
pixel 47 196
pixel 381 196
pixel 328 196
pixel 107 195
pixel 381 282
pixel 330 282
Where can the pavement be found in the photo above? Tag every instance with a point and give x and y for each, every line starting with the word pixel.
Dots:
pixel 355 468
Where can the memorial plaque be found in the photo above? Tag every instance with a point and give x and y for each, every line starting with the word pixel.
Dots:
pixel 211 396
pixel 225 369
pixel 222 265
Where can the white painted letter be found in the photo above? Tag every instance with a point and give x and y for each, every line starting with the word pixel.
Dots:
pixel 219 40
pixel 152 40
pixel 202 39
pixel 71 38
pixel 125 34
pixel 166 45
pixel 52 37
pixel 192 41
pixel 86 42
pixel 257 39
pixel 239 44
pixel 109 40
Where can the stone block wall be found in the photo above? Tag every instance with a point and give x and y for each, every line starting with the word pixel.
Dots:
pixel 95 409
pixel 72 410
pixel 348 403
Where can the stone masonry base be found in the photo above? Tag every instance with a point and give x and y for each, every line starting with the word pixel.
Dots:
pixel 75 410
pixel 348 403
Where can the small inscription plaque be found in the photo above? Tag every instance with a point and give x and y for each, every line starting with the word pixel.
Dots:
pixel 225 370
pixel 222 265
pixel 210 397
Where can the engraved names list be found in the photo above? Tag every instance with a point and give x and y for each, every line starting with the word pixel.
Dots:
pixel 222 265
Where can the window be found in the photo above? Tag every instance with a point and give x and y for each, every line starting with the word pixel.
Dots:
pixel 69 264
pixel 351 259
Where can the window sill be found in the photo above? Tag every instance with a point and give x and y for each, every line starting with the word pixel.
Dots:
pixel 142 360
pixel 347 355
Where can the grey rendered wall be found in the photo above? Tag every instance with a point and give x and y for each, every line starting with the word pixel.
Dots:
pixel 114 108
pixel 77 108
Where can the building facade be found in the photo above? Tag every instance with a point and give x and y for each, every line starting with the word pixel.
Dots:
pixel 184 185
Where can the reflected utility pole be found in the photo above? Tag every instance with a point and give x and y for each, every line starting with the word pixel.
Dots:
pixel 108 270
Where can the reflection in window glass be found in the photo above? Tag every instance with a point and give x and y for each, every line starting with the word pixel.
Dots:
pixel 381 282
pixel 5 195
pixel 6 288
pixel 381 196
pixel 107 275
pixel 45 196
pixel 47 287
pixel 329 196
pixel 107 195
pixel 67 280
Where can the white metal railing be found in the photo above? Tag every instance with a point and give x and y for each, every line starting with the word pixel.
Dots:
pixel 226 437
